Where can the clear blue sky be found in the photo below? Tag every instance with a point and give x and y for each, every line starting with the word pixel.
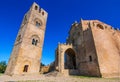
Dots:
pixel 62 13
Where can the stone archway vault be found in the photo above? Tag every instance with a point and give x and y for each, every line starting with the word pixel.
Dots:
pixel 69 59
pixel 60 52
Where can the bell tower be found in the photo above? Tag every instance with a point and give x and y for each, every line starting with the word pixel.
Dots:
pixel 26 54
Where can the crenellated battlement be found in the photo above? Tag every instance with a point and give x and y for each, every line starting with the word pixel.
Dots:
pixel 37 9
pixel 64 44
pixel 85 25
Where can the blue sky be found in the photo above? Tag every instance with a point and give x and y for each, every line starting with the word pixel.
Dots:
pixel 62 13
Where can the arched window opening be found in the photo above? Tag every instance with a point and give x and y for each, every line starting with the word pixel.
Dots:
pixel 36 42
pixel 90 58
pixel 42 13
pixel 100 26
pixel 69 59
pixel 25 68
pixel 33 41
pixel 37 24
pixel 36 7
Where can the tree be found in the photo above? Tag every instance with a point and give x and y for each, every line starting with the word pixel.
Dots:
pixel 42 64
pixel 3 66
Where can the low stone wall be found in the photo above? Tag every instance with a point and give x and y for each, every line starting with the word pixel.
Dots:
pixel 44 69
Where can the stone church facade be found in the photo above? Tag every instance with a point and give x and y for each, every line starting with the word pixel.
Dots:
pixel 26 54
pixel 92 48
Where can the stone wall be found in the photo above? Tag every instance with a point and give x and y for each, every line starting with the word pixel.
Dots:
pixel 97 49
pixel 85 48
pixel 107 44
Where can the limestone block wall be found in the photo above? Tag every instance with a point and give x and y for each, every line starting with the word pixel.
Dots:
pixel 88 64
pixel 97 49
pixel 27 51
pixel 44 69
pixel 107 43
pixel 12 61
pixel 83 43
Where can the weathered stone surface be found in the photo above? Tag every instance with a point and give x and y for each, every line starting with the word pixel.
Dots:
pixel 26 54
pixel 97 50
pixel 92 48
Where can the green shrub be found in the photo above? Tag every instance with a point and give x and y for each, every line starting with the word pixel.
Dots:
pixel 3 66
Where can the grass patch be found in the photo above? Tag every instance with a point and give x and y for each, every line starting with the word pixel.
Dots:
pixel 98 78
pixel 85 77
pixel 1 74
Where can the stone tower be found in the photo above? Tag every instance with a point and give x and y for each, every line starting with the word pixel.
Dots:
pixel 27 51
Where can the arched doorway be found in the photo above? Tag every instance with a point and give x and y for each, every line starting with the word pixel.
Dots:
pixel 26 68
pixel 69 59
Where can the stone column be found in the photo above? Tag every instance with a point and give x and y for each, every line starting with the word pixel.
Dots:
pixel 59 59
pixel 62 62
pixel 56 60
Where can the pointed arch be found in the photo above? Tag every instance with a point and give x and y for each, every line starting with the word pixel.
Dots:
pixel 69 59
